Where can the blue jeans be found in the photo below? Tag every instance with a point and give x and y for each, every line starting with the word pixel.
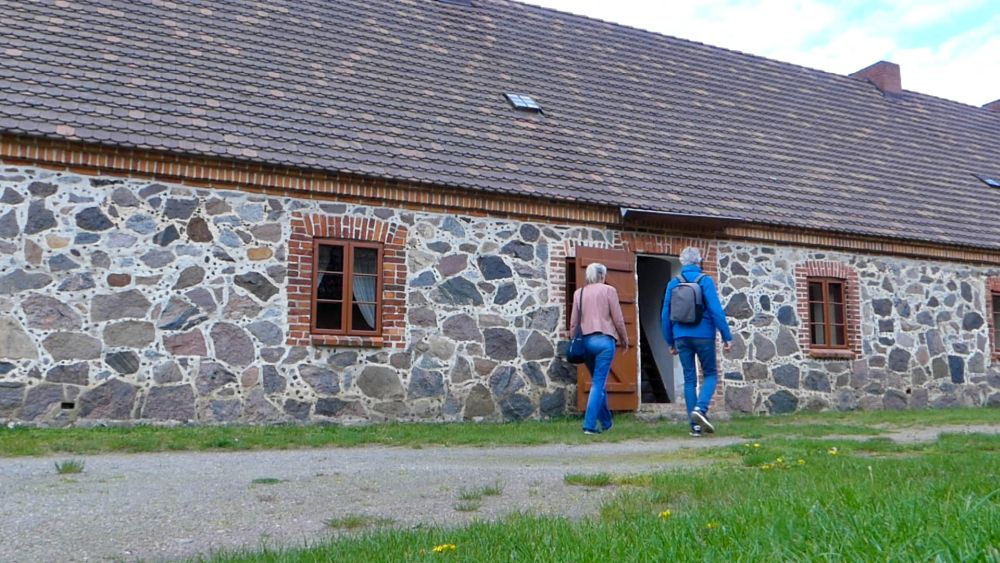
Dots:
pixel 704 349
pixel 600 351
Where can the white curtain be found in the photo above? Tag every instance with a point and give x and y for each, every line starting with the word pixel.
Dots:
pixel 364 290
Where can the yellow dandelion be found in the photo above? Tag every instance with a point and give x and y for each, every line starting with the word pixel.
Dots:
pixel 444 547
pixel 780 460
pixel 801 461
pixel 665 514
pixel 832 451
pixel 712 525
pixel 756 444
pixel 766 466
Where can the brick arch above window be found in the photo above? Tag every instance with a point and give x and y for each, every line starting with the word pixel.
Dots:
pixel 310 227
pixel 818 270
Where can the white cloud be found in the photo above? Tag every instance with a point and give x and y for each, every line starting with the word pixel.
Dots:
pixel 835 36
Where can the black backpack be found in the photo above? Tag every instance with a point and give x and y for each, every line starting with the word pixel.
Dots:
pixel 686 304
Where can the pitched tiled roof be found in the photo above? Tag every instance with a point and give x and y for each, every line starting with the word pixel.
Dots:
pixel 414 89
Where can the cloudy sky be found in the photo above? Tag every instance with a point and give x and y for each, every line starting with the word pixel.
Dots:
pixel 946 48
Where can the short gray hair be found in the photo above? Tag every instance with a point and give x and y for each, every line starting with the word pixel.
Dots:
pixel 690 255
pixel 596 272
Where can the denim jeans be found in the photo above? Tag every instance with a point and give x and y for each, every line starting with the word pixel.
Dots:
pixel 600 351
pixel 704 349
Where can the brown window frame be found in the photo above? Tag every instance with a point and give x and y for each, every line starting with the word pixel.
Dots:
pixel 994 323
pixel 347 299
pixel 828 324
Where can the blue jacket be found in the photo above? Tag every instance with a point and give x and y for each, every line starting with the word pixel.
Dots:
pixel 713 319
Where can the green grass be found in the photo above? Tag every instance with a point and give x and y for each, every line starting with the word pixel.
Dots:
pixel 69 466
pixel 265 481
pixel 468 505
pixel 593 480
pixel 871 501
pixel 24 441
pixel 357 522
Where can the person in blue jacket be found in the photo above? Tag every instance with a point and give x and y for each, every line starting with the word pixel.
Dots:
pixel 691 340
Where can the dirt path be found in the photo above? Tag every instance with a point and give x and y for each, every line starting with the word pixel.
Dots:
pixel 172 505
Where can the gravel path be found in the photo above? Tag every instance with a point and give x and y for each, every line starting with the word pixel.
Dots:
pixel 173 505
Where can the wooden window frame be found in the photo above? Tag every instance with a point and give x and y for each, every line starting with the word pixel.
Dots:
pixel 828 324
pixel 348 295
pixel 993 295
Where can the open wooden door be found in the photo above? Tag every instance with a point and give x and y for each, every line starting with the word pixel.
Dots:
pixel 623 381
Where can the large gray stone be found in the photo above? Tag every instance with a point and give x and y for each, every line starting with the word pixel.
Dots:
pixel 786 376
pixel 782 402
pixel 40 218
pixel 232 344
pixel 764 348
pixel 935 344
pixel 78 282
pixel 501 344
pixel 42 189
pixel 125 363
pixel 212 376
pixel 274 382
pixel 451 225
pixel 816 381
pixel 157 258
pixel 552 403
pixel 129 334
pixel 505 381
pixel 425 383
pixel 894 400
pixel 956 367
pixel 505 294
pixel 459 291
pixel 180 315
pixel 72 346
pixel 123 197
pixel 9 227
pixel 19 280
pixel 167 372
pixel 545 319
pixel 520 250
pixel 786 343
pixel 452 264
pixel 323 380
pixel 739 307
pixel 479 403
pixel 76 374
pixel 493 268
pixel 11 397
pixel 112 400
pixel 15 343
pixel 190 276
pixel 266 332
pixel 93 219
pixel 258 409
pixel 175 402
pixel 11 197
pixel 899 360
pixel 334 407
pixel 380 383
pixel 516 407
pixel 180 208
pixel 256 284
pixel 462 327
pixel 537 347
pixel 739 399
pixel 561 371
pixel 198 230
pixel 972 321
pixel 191 343
pixel 42 400
pixel 131 304
pixel 461 371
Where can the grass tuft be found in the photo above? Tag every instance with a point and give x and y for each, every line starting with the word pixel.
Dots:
pixel 468 505
pixel 69 466
pixel 266 481
pixel 593 480
pixel 358 521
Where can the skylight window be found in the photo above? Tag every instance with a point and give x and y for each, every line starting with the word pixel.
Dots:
pixel 991 182
pixel 524 103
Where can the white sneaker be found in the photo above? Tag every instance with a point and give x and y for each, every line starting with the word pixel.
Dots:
pixel 701 419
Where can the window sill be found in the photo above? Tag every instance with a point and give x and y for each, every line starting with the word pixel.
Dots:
pixel 832 354
pixel 346 341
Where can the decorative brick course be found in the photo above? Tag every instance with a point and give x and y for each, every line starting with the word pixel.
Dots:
pixel 820 269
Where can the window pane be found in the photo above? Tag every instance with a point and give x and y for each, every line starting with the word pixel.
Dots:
pixel 816 313
pixel 363 316
pixel 837 313
pixel 996 322
pixel 816 333
pixel 837 335
pixel 366 260
pixel 329 315
pixel 836 292
pixel 815 291
pixel 331 258
pixel 330 286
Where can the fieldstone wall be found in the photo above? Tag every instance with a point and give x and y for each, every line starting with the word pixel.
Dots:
pixel 924 335
pixel 126 300
pixel 133 300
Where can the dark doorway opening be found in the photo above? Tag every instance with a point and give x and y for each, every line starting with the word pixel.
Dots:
pixel 656 363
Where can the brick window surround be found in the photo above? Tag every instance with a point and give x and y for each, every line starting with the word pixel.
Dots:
pixel 993 293
pixel 307 228
pixel 852 303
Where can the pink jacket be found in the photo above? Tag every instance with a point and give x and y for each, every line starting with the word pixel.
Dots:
pixel 601 312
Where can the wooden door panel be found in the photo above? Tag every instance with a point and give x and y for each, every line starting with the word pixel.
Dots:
pixel 622 385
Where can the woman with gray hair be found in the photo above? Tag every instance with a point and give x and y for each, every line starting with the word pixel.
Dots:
pixel 598 314
pixel 690 318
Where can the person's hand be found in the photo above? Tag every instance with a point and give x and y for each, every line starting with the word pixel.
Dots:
pixel 673 350
pixel 727 346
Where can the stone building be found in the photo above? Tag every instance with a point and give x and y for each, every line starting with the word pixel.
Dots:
pixel 374 210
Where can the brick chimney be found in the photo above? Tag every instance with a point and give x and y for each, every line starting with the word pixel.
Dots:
pixel 884 75
pixel 993 106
